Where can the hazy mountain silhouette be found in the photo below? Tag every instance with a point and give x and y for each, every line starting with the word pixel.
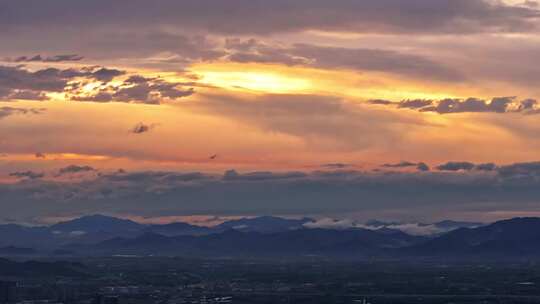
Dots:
pixel 263 224
pixel 237 243
pixel 97 223
pixel 450 225
pixel 267 236
pixel 518 236
pixel 179 228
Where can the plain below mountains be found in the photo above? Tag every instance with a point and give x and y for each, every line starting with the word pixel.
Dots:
pixel 41 269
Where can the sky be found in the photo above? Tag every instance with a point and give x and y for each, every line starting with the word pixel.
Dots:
pixel 200 109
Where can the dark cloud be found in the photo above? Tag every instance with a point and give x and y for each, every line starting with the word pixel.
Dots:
pixel 27 95
pixel 514 170
pixel 7 111
pixel 161 48
pixel 169 35
pixel 468 166
pixel 456 166
pixel 339 58
pixel 105 74
pixel 73 169
pixel 486 167
pixel 380 102
pixel 142 128
pixel 20 83
pixel 154 178
pixel 265 17
pixel 509 187
pixel 336 166
pixel 422 167
pixel 232 175
pixel 56 58
pixel 405 164
pixel 469 105
pixel 415 103
pixel 27 175
pixel 253 50
pixel 527 104
pixel 474 105
pixel 136 89
pixel 521 170
pixel 14 79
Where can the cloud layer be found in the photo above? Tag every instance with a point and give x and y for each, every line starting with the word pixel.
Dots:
pixel 263 17
pixel 508 187
pixel 469 105
pixel 8 111
pixel 18 83
pixel 325 57
pixel 273 89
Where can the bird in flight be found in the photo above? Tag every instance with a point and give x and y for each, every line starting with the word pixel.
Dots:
pixel 213 156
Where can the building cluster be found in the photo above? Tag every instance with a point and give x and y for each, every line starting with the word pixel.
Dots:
pixel 33 292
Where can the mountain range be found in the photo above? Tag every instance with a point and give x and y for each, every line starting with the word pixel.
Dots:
pixel 255 244
pixel 96 228
pixel 518 237
pixel 99 235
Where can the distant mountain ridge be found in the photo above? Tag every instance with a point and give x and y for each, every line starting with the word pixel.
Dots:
pixel 264 224
pixel 96 223
pixel 448 224
pixel 514 237
pixel 178 228
pixel 270 236
pixel 236 243
pixel 92 229
pixel 429 228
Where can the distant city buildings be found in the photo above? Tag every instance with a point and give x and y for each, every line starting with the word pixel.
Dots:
pixel 8 292
pixel 104 299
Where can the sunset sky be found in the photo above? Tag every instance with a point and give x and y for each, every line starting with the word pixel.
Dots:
pixel 168 109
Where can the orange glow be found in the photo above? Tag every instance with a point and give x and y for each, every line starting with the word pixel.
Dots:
pixel 271 78
pixel 56 157
pixel 256 81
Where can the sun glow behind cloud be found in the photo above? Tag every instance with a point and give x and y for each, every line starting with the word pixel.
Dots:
pixel 258 81
pixel 278 79
pixel 56 157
